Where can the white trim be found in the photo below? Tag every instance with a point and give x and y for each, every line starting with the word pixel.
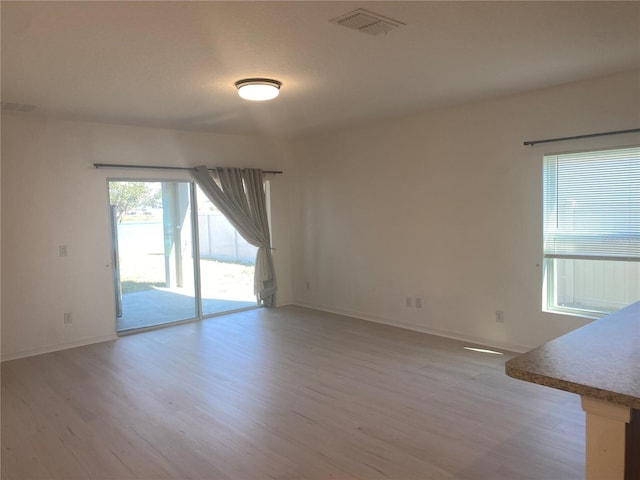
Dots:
pixel 508 347
pixel 58 347
pixel 576 312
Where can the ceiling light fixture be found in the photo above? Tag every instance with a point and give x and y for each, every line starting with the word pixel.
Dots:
pixel 258 89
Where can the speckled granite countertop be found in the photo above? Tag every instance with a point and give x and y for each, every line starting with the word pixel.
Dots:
pixel 600 360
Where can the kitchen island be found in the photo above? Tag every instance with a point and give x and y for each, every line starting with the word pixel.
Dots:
pixel 601 363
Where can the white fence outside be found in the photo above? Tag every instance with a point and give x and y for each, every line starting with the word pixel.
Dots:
pixel 220 241
pixel 599 285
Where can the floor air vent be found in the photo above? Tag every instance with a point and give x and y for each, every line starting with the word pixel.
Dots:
pixel 367 22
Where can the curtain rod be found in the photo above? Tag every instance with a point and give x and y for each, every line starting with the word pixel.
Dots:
pixel 157 167
pixel 590 135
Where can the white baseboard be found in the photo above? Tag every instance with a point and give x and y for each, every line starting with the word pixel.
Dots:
pixel 58 347
pixel 509 347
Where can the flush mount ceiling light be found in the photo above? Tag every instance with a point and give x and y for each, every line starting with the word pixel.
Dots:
pixel 258 89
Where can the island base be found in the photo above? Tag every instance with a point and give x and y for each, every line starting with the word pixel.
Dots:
pixel 612 433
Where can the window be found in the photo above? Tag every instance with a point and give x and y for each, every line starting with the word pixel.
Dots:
pixel 591 231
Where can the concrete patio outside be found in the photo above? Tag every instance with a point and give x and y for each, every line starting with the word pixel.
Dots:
pixel 163 305
pixel 225 287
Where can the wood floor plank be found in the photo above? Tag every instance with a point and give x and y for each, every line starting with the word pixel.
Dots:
pixel 282 394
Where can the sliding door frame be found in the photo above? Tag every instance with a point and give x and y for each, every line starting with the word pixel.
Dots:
pixel 197 280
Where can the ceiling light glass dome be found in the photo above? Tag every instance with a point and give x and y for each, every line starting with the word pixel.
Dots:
pixel 258 89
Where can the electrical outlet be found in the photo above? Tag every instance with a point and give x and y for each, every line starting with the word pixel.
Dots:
pixel 308 285
pixel 67 318
pixel 499 316
pixel 62 250
pixel 418 302
pixel 407 301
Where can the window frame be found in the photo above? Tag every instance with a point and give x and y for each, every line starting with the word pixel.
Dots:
pixel 550 261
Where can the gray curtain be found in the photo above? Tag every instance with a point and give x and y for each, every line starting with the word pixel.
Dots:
pixel 239 195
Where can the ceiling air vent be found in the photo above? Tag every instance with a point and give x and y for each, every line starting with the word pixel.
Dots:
pixel 17 107
pixel 367 22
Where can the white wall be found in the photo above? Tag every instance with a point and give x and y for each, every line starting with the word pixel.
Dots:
pixel 446 206
pixel 51 196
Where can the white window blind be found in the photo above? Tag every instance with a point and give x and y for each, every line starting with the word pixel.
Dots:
pixel 592 205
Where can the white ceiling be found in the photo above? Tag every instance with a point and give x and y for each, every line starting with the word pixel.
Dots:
pixel 173 64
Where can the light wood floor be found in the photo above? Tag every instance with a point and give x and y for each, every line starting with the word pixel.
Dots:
pixel 283 394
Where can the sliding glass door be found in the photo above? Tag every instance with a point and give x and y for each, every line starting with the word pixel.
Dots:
pixel 157 229
pixel 154 251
